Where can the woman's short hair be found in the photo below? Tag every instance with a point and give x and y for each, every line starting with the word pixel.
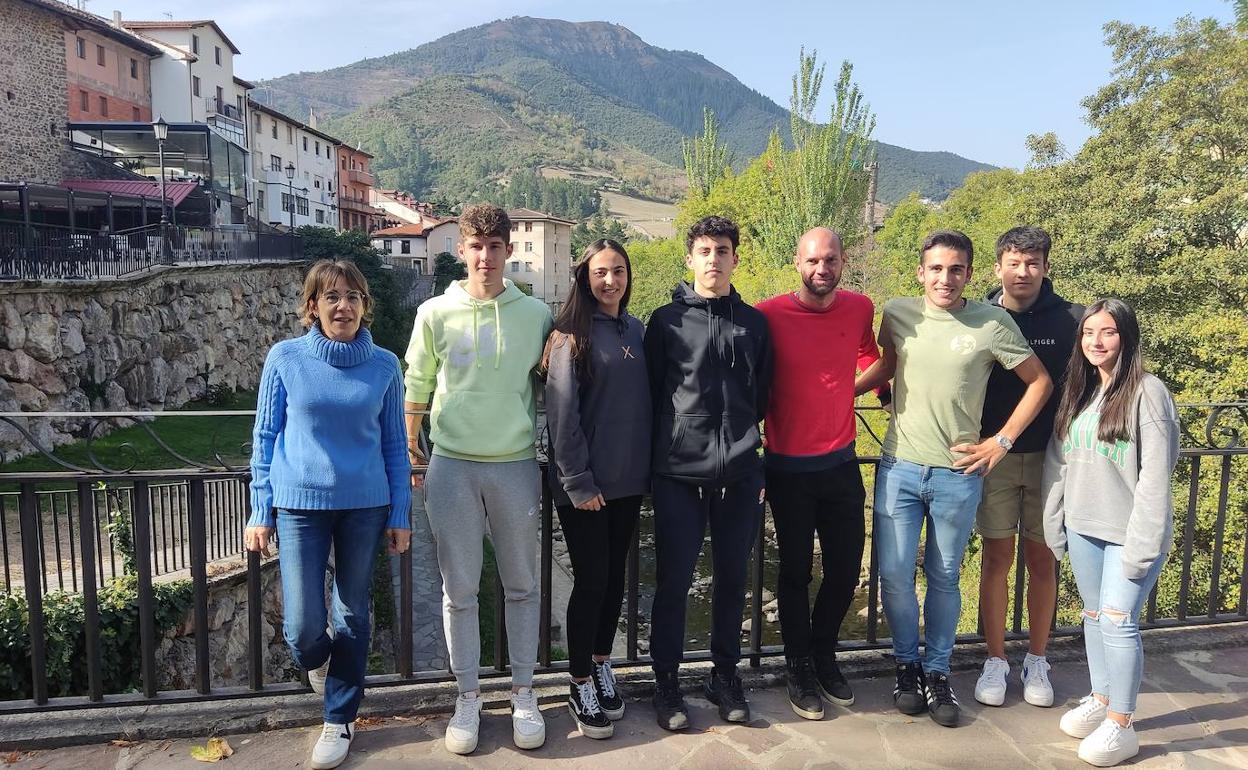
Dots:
pixel 322 276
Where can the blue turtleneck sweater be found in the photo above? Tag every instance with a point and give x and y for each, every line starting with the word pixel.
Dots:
pixel 329 431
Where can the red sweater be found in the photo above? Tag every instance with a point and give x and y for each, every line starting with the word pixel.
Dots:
pixel 810 417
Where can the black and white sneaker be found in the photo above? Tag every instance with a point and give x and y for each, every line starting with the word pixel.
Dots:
pixel 669 705
pixel 832 683
pixel 332 747
pixel 588 715
pixel 803 691
pixel 609 698
pixel 942 703
pixel 909 694
pixel 726 692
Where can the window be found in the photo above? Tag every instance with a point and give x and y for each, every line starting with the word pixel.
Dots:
pixel 287 202
pixel 81 47
pixel 329 152
pixel 220 99
pixel 320 216
pixel 317 183
pixel 405 246
pixel 260 200
pixel 257 118
pixel 515 267
pixel 290 134
pixel 217 54
pixel 318 148
pixel 274 129
pixel 134 69
pixel 528 227
pixel 515 227
pixel 84 101
pixel 104 106
pixel 387 245
pixel 305 144
pixel 528 267
pixel 275 163
pixel 194 43
pixel 344 164
pixel 135 114
pixel 195 84
pixel 99 55
pixel 303 206
pixel 528 245
pixel 448 244
pixel 238 103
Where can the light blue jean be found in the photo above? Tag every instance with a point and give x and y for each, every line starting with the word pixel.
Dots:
pixel 1115 652
pixel 304 538
pixel 906 496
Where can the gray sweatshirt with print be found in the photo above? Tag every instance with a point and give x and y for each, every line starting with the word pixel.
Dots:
pixel 1117 492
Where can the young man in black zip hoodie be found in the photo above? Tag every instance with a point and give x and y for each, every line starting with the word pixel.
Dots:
pixel 709 360
pixel 1011 502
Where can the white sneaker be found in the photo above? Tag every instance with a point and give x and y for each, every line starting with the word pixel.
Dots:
pixel 1037 690
pixel 1109 744
pixel 316 678
pixel 1082 720
pixel 465 725
pixel 990 689
pixel 331 748
pixel 528 729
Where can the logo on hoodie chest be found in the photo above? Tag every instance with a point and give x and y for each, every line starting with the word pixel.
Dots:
pixel 465 351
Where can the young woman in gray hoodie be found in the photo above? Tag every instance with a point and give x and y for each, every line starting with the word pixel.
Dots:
pixel 598 416
pixel 1108 503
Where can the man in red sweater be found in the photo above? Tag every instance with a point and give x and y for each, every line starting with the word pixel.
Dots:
pixel 820 336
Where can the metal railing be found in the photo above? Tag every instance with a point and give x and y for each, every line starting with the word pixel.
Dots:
pixel 1215 454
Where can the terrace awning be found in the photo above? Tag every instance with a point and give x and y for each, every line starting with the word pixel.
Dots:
pixel 176 191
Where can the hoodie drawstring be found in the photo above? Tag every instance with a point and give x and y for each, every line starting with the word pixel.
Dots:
pixel 476 352
pixel 498 335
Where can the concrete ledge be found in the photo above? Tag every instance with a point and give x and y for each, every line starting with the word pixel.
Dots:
pixel 246 715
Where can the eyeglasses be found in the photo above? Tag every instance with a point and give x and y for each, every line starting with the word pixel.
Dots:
pixel 352 297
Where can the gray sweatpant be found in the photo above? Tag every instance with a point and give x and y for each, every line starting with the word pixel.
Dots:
pixel 465 500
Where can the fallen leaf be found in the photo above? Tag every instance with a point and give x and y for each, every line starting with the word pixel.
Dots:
pixel 123 743
pixel 369 721
pixel 214 750
pixel 164 746
pixel 12 758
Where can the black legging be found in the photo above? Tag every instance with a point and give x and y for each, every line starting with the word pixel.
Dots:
pixel 598 543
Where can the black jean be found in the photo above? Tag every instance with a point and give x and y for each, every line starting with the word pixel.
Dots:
pixel 681 513
pixel 832 503
pixel 598 543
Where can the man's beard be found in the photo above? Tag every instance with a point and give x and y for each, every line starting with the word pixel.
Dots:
pixel 817 290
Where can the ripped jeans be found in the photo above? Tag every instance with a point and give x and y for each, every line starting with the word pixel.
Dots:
pixel 1111 614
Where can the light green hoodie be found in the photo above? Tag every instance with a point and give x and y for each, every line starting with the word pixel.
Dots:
pixel 482 380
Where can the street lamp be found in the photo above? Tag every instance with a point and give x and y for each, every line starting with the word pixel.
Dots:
pixel 290 182
pixel 161 131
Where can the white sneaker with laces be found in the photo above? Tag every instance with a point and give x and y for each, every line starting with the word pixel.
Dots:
pixel 316 678
pixel 1083 719
pixel 990 688
pixel 1109 744
pixel 1037 690
pixel 465 725
pixel 528 729
pixel 331 748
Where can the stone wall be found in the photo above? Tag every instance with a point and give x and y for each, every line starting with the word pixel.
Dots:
pixel 156 342
pixel 33 96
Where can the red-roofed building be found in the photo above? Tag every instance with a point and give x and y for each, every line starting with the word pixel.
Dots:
pixel 414 246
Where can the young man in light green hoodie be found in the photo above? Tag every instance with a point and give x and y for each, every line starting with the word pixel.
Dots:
pixel 475 348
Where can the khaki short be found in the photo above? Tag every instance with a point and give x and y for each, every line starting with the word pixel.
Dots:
pixel 1011 494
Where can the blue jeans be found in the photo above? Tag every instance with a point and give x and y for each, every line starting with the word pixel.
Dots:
pixel 1115 652
pixel 304 538
pixel 906 496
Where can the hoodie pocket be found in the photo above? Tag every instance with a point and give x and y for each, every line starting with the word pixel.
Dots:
pixel 694 446
pixel 481 423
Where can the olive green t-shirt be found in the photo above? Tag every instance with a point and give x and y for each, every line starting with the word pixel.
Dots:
pixel 943 362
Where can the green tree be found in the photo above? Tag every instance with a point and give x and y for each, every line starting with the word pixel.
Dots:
pixel 707 159
pixel 446 268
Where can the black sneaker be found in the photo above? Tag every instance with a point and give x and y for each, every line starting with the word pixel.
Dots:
pixel 609 698
pixel 831 681
pixel 942 704
pixel 725 692
pixel 588 715
pixel 669 704
pixel 909 695
pixel 803 689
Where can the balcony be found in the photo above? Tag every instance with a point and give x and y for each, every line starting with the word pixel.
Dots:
pixel 358 206
pixel 360 176
pixel 225 119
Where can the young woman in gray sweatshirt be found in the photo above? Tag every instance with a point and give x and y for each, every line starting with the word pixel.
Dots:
pixel 1108 503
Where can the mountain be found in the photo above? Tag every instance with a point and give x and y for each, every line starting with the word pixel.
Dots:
pixel 590 97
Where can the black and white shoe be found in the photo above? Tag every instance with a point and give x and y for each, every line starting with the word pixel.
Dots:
pixel 332 747
pixel 609 698
pixel 803 690
pixel 942 703
pixel 669 705
pixel 832 683
pixel 725 691
pixel 909 694
pixel 588 715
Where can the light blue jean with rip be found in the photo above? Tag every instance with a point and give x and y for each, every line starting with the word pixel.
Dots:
pixel 1111 614
pixel 909 496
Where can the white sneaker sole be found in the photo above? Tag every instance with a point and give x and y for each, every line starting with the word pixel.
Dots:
pixel 1043 700
pixel 814 716
pixel 830 698
pixel 990 699
pixel 597 733
pixel 465 746
pixel 528 741
pixel 1080 731
pixel 327 764
pixel 1106 758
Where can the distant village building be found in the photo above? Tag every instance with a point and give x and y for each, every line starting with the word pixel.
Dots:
pixel 403 208
pixel 355 185
pixel 541 255
pixel 414 246
pixel 295 170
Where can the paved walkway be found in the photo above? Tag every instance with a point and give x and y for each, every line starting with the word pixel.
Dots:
pixel 1193 713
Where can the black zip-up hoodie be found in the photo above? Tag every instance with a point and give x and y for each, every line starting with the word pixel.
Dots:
pixel 1051 326
pixel 710 372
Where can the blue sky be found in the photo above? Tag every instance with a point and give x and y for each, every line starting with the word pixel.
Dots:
pixel 972 77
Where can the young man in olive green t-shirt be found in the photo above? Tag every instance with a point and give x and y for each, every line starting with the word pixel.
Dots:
pixel 940 350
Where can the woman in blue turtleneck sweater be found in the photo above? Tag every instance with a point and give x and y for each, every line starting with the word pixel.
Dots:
pixel 329 467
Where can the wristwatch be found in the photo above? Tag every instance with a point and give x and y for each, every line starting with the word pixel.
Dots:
pixel 1004 442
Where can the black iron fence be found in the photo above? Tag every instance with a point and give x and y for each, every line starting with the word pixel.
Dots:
pixel 46 252
pixel 1209 563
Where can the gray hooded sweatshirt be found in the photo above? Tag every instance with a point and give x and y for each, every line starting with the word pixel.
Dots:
pixel 600 432
pixel 1119 492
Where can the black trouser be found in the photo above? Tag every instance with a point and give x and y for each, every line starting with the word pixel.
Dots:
pixel 831 502
pixel 681 513
pixel 598 543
